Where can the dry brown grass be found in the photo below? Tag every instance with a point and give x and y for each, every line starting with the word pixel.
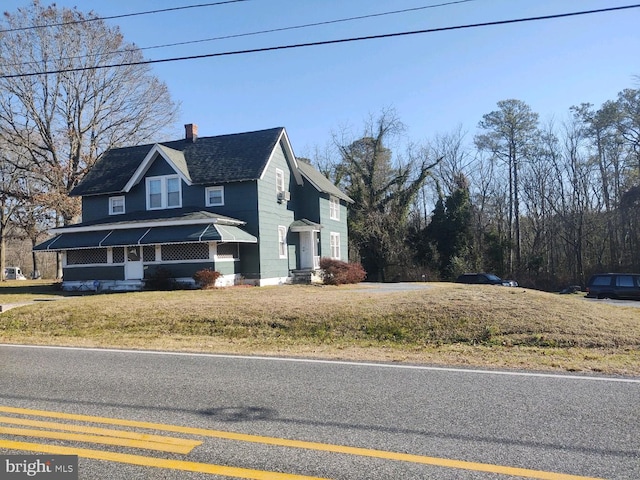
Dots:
pixel 446 324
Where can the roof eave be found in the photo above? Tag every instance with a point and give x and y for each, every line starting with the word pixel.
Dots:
pixel 340 195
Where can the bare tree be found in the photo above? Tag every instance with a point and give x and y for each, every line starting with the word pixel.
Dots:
pixel 629 121
pixel 60 109
pixel 510 130
pixel 600 128
pixel 537 190
pixel 455 161
pixel 9 203
pixel 384 189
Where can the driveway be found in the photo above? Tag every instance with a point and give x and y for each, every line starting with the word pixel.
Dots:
pixel 620 303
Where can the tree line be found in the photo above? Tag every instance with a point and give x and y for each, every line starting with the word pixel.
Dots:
pixel 545 203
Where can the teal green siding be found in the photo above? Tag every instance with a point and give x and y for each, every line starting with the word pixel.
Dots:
pixel 226 268
pixel 177 270
pixel 307 203
pixel 330 225
pixel 274 214
pixel 106 272
pixel 314 206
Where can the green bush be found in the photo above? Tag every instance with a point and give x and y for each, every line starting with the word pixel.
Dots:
pixel 206 278
pixel 337 272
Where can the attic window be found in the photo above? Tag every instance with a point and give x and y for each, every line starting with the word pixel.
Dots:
pixel 279 180
pixel 164 192
pixel 116 205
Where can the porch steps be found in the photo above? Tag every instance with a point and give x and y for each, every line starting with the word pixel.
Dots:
pixel 305 277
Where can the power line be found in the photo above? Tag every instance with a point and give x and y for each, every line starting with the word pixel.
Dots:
pixel 316 24
pixel 260 32
pixel 332 42
pixel 149 12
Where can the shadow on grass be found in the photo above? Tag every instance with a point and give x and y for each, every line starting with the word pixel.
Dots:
pixel 17 287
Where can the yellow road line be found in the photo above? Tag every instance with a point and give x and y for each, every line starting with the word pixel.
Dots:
pixel 80 437
pixel 156 462
pixel 100 431
pixel 363 452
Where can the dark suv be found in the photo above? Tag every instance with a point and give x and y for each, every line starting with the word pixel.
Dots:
pixel 614 285
pixel 485 279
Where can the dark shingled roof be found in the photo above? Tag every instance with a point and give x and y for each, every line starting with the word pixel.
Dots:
pixel 210 160
pixel 320 182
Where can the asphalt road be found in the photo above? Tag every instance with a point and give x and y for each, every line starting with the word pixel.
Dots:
pixel 312 419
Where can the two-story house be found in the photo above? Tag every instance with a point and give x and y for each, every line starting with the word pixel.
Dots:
pixel 241 204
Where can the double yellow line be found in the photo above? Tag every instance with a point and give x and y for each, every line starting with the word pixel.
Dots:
pixel 183 446
pixel 104 436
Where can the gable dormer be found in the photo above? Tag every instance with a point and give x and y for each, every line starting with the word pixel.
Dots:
pixel 163 171
pixel 160 153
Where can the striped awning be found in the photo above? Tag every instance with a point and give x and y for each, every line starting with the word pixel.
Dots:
pixel 147 236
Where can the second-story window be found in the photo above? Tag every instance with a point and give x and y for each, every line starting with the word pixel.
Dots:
pixel 214 196
pixel 116 205
pixel 164 192
pixel 334 208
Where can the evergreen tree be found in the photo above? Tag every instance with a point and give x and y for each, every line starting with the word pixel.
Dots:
pixel 450 230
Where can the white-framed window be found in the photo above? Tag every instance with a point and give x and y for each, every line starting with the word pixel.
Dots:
pixel 279 180
pixel 164 192
pixel 282 241
pixel 214 196
pixel 334 208
pixel 116 205
pixel 335 245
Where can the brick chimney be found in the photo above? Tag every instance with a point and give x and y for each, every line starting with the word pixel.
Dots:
pixel 191 132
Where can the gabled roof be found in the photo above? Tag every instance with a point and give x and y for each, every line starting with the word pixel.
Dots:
pixel 320 182
pixel 208 160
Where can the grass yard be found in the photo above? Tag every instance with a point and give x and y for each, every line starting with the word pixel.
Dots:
pixel 446 324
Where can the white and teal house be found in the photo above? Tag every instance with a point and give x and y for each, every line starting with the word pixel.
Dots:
pixel 241 204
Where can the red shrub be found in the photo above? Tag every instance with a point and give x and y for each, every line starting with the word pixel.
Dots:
pixel 337 272
pixel 206 278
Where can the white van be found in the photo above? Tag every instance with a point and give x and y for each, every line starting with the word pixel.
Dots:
pixel 13 273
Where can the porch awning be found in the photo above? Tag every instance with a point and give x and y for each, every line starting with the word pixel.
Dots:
pixel 304 225
pixel 147 236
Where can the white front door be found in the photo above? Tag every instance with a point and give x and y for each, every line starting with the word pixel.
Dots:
pixel 309 250
pixel 133 269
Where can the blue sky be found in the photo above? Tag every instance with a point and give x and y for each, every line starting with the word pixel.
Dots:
pixel 436 81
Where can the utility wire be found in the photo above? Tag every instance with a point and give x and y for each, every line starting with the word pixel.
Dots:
pixel 149 12
pixel 332 42
pixel 260 32
pixel 317 24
